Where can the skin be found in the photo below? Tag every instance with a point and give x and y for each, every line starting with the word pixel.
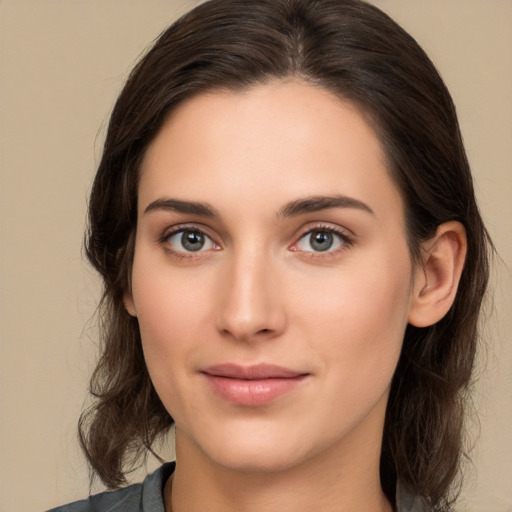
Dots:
pixel 259 292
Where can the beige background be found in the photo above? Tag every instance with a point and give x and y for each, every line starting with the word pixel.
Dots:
pixel 62 65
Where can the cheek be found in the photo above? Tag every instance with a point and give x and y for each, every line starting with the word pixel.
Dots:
pixel 169 302
pixel 168 322
pixel 165 313
pixel 171 310
pixel 363 296
pixel 357 319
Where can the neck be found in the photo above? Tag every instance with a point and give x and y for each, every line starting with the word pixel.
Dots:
pixel 339 480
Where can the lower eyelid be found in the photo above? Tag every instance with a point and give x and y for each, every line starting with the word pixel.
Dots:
pixel 177 230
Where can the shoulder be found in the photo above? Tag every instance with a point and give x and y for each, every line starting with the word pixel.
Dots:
pixel 143 497
pixel 126 499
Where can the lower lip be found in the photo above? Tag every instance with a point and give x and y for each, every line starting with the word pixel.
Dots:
pixel 252 393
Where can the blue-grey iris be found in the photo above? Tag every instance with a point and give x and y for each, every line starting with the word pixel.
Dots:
pixel 321 240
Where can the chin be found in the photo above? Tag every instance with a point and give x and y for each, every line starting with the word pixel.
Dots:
pixel 249 446
pixel 262 447
pixel 255 458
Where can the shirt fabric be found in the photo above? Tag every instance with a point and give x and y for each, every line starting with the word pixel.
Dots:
pixel 147 496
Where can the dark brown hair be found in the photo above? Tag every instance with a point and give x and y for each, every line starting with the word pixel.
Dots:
pixel 357 52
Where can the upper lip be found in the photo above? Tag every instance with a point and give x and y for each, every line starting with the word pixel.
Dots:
pixel 253 372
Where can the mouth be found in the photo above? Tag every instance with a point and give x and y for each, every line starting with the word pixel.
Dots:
pixel 252 386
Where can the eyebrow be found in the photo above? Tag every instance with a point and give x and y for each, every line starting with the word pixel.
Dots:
pixel 317 203
pixel 179 206
pixel 294 208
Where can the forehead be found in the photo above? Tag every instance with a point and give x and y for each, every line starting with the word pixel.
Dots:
pixel 283 140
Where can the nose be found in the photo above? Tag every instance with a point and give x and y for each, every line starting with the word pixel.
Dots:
pixel 251 306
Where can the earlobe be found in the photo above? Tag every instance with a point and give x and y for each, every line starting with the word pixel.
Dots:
pixel 437 277
pixel 128 303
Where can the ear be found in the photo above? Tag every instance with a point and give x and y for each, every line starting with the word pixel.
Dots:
pixel 128 302
pixel 437 276
pixel 127 260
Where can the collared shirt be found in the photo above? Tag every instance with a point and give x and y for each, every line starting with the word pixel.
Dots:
pixel 147 496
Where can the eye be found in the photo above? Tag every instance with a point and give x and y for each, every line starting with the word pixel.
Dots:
pixel 190 240
pixel 322 240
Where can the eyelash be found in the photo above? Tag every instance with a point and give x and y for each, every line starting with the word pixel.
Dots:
pixel 183 255
pixel 346 241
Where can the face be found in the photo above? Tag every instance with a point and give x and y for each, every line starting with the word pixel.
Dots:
pixel 271 276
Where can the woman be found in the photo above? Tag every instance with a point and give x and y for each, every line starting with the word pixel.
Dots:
pixel 293 263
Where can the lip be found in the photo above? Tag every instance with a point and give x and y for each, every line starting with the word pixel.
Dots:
pixel 252 386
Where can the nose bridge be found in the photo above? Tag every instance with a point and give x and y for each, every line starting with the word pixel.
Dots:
pixel 251 305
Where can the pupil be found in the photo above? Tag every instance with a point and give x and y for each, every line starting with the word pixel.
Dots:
pixel 321 241
pixel 192 241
